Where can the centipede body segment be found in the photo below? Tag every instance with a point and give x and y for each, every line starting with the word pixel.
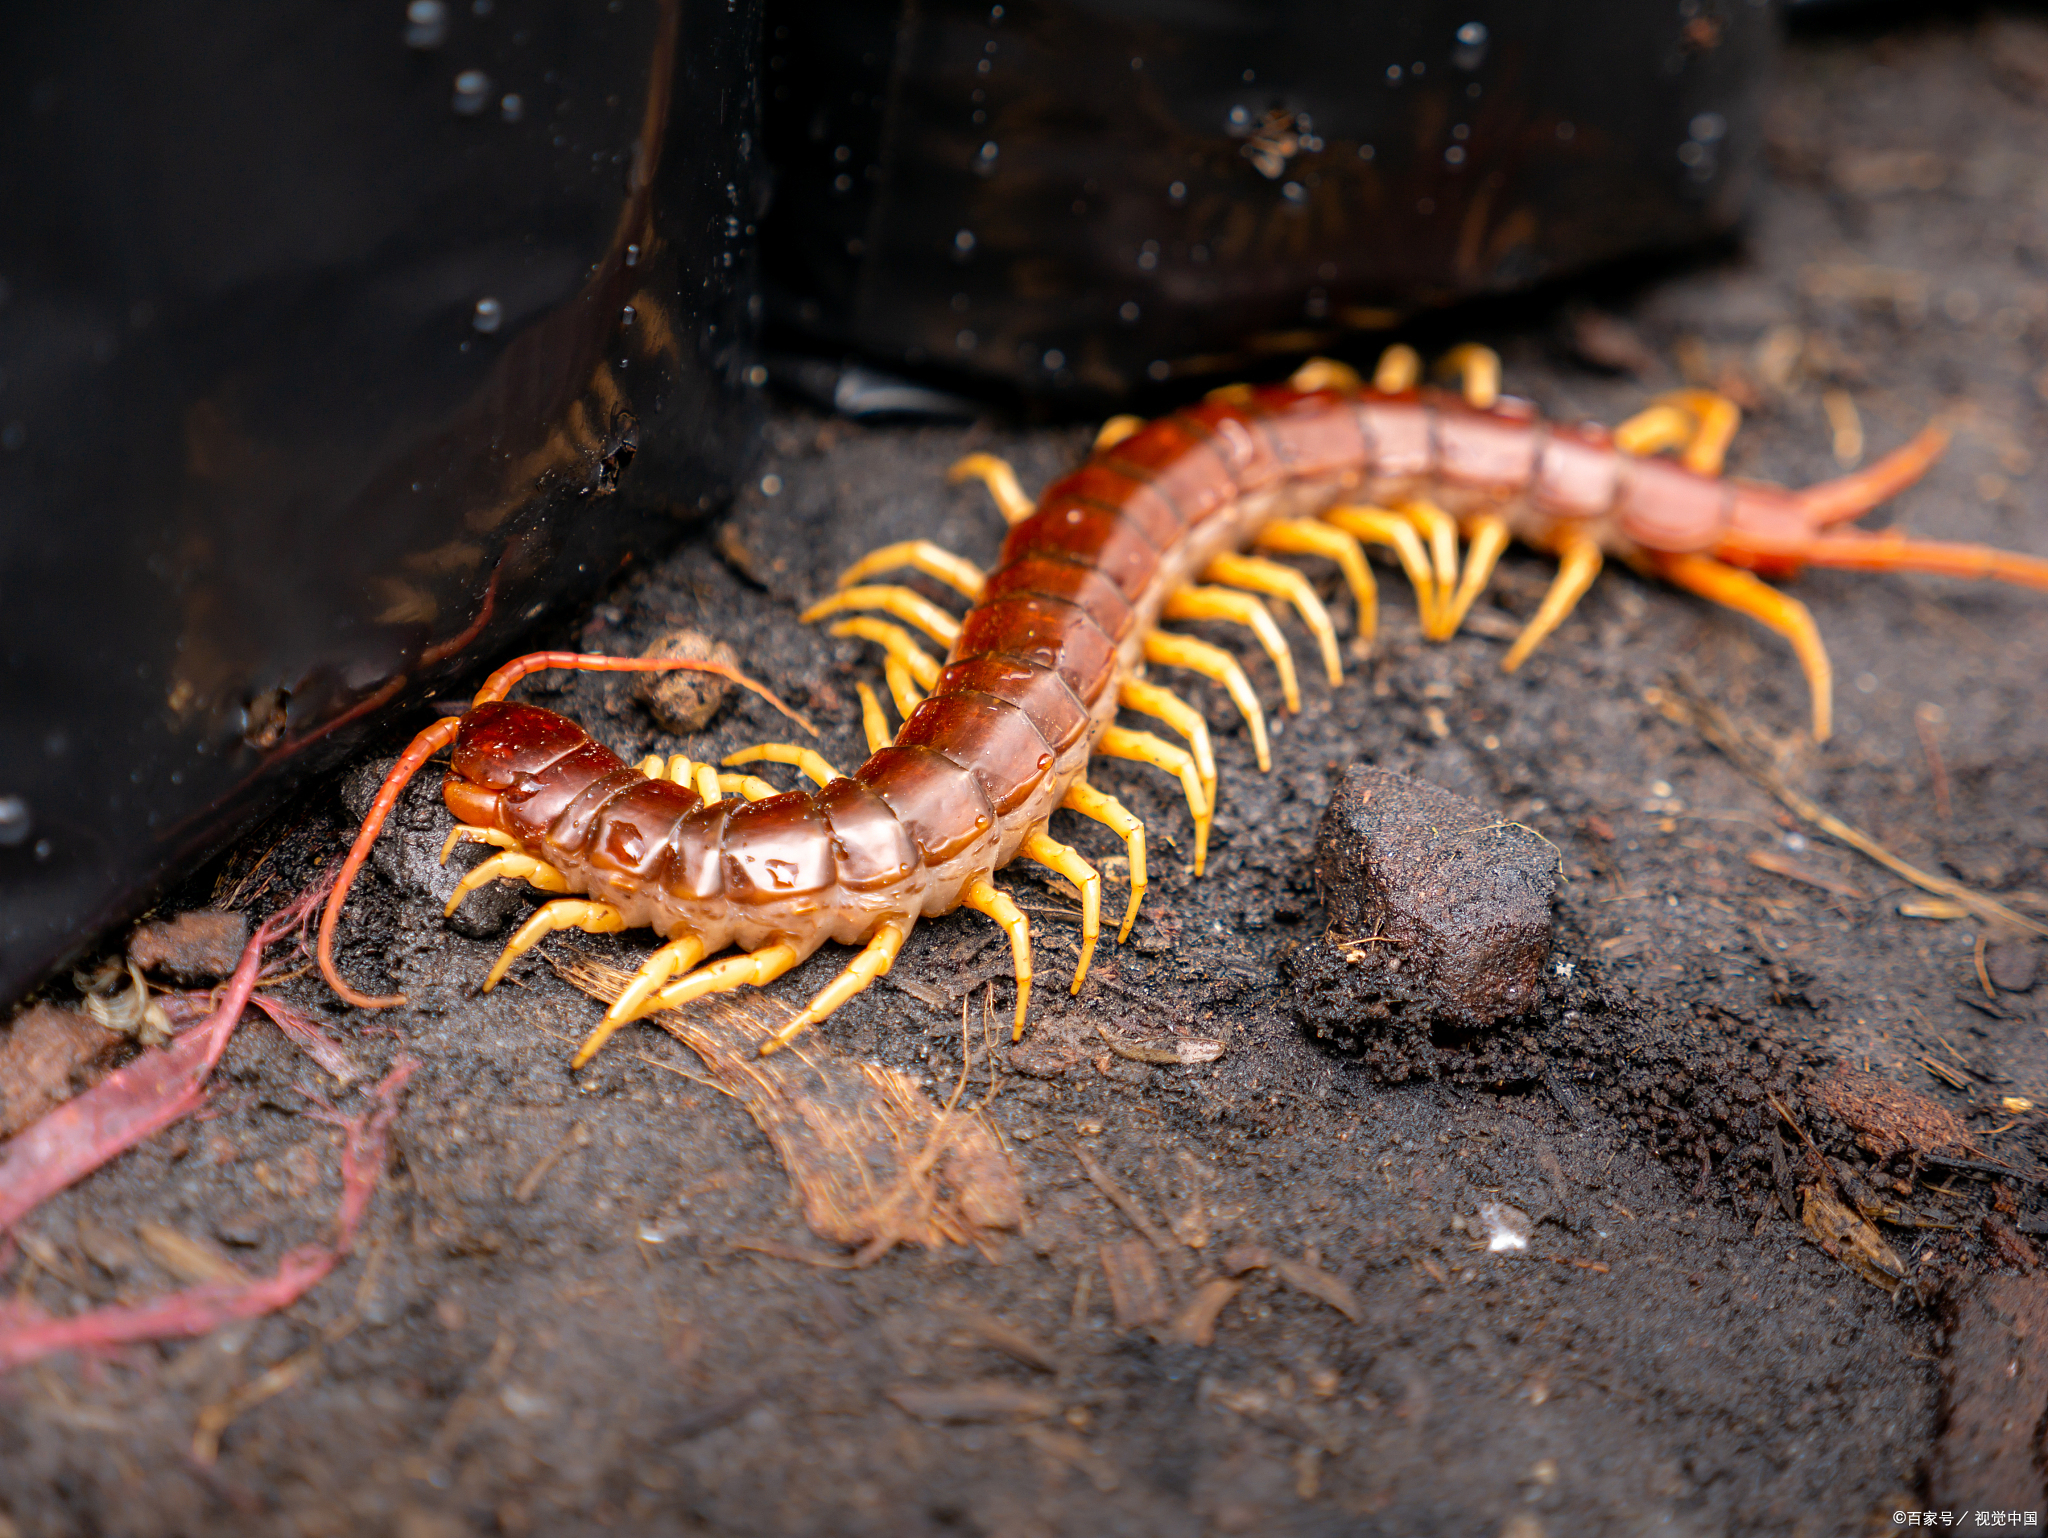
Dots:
pixel 1063 636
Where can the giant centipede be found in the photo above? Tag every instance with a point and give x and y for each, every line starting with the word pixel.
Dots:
pixel 1152 527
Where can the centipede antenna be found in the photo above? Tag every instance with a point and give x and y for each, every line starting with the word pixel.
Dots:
pixel 500 683
pixel 1001 481
pixel 1736 589
pixel 1851 496
pixel 417 752
pixel 1192 603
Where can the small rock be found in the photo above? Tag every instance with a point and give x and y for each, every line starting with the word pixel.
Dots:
pixel 2014 966
pixel 683 701
pixel 245 1228
pixel 1439 914
pixel 197 947
pixel 46 1054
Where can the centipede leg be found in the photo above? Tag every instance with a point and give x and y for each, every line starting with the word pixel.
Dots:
pixel 1213 662
pixel 1478 371
pixel 1489 535
pixel 906 604
pixel 1735 589
pixel 752 787
pixel 1151 700
pixel 1192 603
pixel 1115 430
pixel 808 760
pixel 986 899
pixel 1377 526
pixel 1324 374
pixel 1305 536
pixel 1699 423
pixel 756 968
pixel 566 913
pixel 874 725
pixel 466 833
pixel 1441 530
pixel 958 573
pixel 1144 748
pixel 1248 571
pixel 1578 565
pixel 1001 481
pixel 670 960
pixel 1043 849
pixel 1111 813
pixel 1400 366
pixel 878 956
pixel 511 865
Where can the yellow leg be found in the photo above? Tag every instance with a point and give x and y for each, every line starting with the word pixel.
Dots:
pixel 1240 609
pixel 898 643
pixel 1489 534
pixel 1151 700
pixel 809 760
pixel 756 968
pixel 902 688
pixel 1001 481
pixel 1144 748
pixel 904 603
pixel 1377 526
pixel 1305 536
pixel 1106 809
pixel 710 783
pixel 1736 589
pixel 985 899
pixel 747 785
pixel 1399 367
pixel 509 866
pixel 1213 662
pixel 872 721
pixel 1478 371
pixel 962 575
pixel 1248 571
pixel 1578 565
pixel 1114 431
pixel 1701 423
pixel 1325 374
pixel 653 766
pixel 878 956
pixel 1045 850
pixel 466 833
pixel 564 913
pixel 670 960
pixel 1441 530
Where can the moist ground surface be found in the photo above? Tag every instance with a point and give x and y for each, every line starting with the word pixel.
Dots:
pixel 557 1325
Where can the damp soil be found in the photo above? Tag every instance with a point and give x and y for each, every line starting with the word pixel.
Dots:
pixel 589 1302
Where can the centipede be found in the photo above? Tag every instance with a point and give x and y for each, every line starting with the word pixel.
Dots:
pixel 1173 520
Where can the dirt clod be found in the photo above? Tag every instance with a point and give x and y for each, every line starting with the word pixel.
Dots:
pixel 2013 965
pixel 46 1056
pixel 684 701
pixel 1438 911
pixel 197 947
pixel 1888 1118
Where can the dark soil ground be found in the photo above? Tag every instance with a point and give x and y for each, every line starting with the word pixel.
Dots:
pixel 556 1323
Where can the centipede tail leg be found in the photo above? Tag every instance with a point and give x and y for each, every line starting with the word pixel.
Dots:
pixel 876 959
pixel 1736 589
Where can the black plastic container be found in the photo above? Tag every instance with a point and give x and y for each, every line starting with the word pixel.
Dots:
pixel 337 345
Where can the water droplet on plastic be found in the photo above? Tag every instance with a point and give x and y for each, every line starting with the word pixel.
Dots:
pixel 512 108
pixel 1055 359
pixel 1127 312
pixel 1708 127
pixel 472 91
pixel 626 316
pixel 964 242
pixel 1177 192
pixel 15 821
pixel 489 316
pixel 633 256
pixel 426 24
pixel 44 849
pixel 1471 49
